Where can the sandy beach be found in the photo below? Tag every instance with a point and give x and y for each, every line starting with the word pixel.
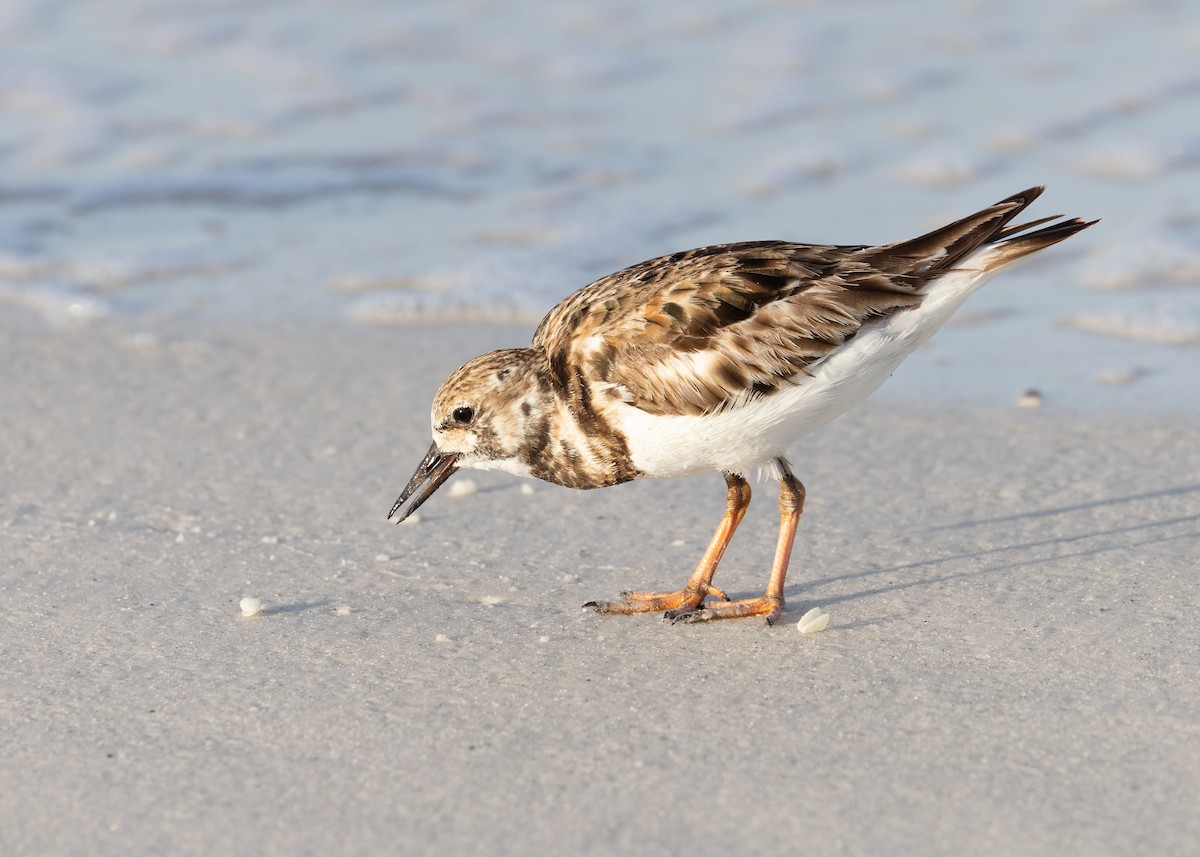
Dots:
pixel 1011 665
pixel 241 244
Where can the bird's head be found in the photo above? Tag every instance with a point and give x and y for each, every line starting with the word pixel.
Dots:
pixel 483 416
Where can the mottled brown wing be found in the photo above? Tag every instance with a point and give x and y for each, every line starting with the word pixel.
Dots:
pixel 712 328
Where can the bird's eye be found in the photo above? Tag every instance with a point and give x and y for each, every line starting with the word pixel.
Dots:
pixel 463 415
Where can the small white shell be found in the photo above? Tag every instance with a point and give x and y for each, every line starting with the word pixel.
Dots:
pixel 463 488
pixel 1029 399
pixel 250 606
pixel 813 621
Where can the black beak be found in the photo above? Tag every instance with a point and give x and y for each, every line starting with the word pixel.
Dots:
pixel 434 469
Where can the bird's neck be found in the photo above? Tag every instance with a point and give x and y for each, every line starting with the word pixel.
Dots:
pixel 572 443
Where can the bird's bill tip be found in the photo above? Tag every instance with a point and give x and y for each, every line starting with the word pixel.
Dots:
pixel 435 468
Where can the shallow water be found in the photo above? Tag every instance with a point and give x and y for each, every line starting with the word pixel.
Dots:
pixel 183 163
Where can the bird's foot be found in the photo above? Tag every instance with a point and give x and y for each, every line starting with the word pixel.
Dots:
pixel 770 607
pixel 685 600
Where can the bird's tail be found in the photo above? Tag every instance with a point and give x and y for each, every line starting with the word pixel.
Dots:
pixel 929 255
pixel 1014 242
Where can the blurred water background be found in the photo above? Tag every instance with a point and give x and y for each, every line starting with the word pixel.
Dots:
pixel 178 164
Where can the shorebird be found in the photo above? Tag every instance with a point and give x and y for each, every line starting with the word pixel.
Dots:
pixel 714 360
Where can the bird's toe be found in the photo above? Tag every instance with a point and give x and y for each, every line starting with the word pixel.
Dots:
pixel 688 615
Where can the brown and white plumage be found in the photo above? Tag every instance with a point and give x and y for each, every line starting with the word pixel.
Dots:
pixel 714 359
pixel 704 329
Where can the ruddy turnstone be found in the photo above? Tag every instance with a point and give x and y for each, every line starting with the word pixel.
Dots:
pixel 714 359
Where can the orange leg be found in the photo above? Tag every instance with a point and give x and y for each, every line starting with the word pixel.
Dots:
pixel 770 604
pixel 699 585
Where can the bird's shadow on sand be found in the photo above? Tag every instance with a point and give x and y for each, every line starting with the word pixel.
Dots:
pixel 802 592
pixel 1177 491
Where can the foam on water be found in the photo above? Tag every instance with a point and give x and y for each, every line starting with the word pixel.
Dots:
pixel 1155 325
pixel 1145 259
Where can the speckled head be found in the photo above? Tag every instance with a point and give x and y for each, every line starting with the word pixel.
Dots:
pixel 483 412
pixel 484 416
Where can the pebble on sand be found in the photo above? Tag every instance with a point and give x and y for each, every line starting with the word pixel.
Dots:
pixel 250 606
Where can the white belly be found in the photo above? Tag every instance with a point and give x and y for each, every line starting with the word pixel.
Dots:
pixel 747 437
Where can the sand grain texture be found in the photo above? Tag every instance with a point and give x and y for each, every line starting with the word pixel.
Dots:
pixel 1012 666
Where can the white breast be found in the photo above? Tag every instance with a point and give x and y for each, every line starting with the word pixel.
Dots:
pixel 747 437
